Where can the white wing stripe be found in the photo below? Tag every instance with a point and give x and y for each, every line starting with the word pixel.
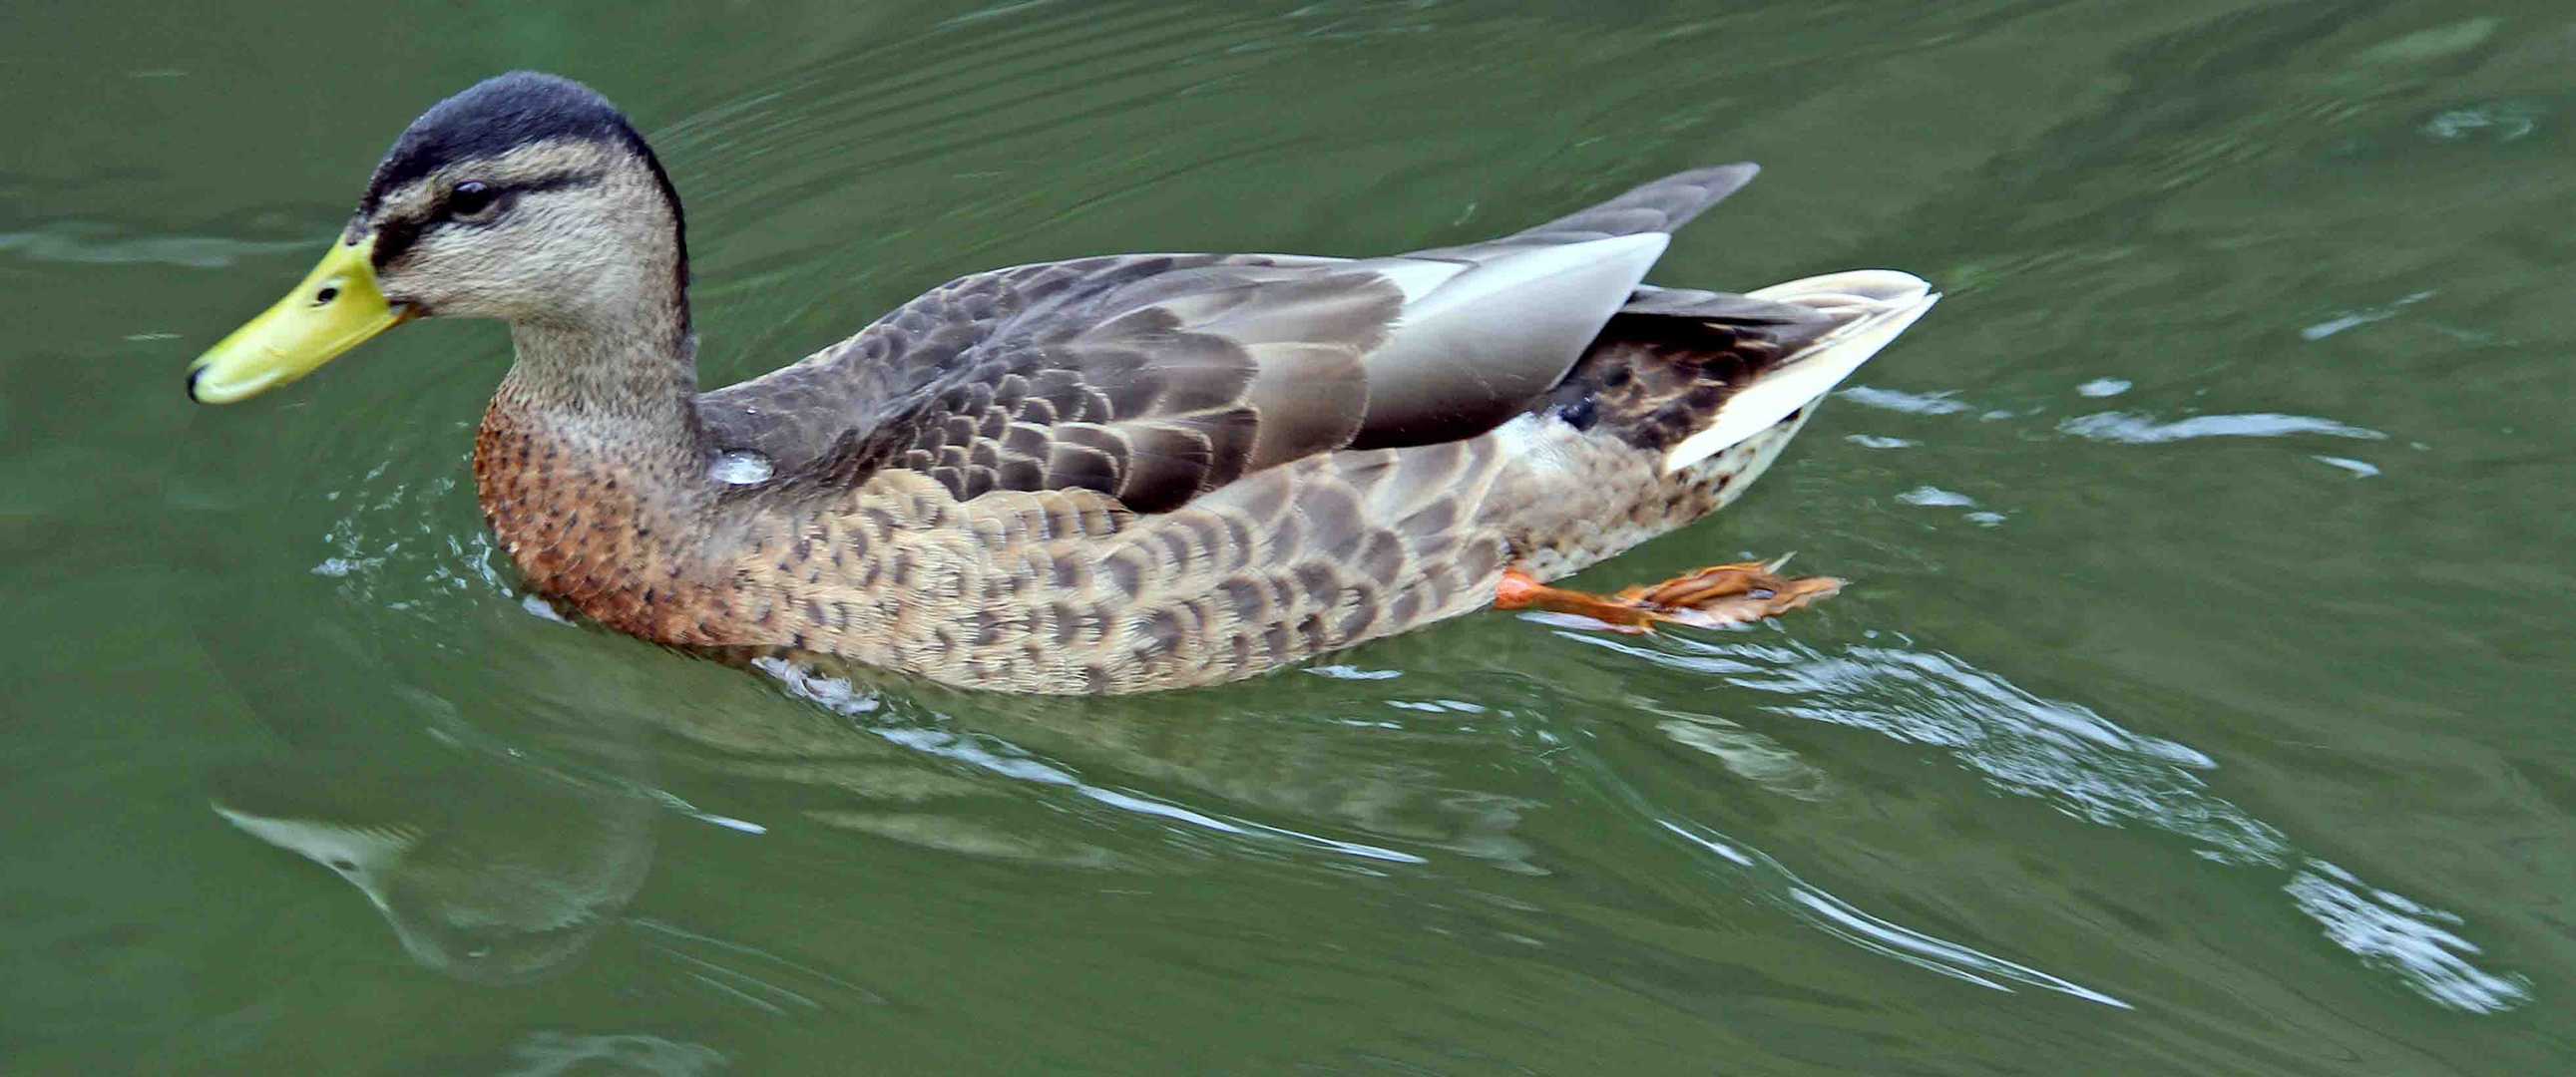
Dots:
pixel 1895 300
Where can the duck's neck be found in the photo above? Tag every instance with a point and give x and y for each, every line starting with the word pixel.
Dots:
pixel 627 381
pixel 591 464
pixel 609 365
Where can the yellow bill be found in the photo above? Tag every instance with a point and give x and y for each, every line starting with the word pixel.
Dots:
pixel 336 308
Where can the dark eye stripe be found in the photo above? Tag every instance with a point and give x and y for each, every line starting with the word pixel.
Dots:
pixel 393 237
pixel 556 183
pixel 500 194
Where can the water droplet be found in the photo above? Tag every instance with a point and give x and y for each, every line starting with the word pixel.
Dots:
pixel 542 609
pixel 2359 469
pixel 741 467
pixel 1936 497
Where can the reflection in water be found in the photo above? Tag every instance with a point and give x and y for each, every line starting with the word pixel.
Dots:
pixel 992 755
pixel 1747 754
pixel 493 873
pixel 1308 772
pixel 547 1053
pixel 2076 760
pixel 1012 764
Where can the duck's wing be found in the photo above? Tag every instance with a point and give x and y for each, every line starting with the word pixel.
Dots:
pixel 1155 378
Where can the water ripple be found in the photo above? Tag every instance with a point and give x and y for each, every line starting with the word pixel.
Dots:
pixel 2090 767
pixel 90 243
pixel 1840 919
pixel 2130 428
pixel 2391 932
pixel 546 1053
pixel 2352 319
pixel 1898 400
pixel 999 757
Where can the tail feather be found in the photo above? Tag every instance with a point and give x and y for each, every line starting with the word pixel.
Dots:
pixel 1872 306
pixel 1691 304
pixel 1662 205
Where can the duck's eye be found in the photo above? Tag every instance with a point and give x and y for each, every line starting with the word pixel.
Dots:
pixel 470 198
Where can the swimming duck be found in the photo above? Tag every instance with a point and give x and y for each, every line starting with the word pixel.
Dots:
pixel 1110 474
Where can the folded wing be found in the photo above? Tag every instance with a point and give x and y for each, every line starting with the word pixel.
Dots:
pixel 1155 378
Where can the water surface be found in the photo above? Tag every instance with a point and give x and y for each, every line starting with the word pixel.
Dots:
pixel 2201 702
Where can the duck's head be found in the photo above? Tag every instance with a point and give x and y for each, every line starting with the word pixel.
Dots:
pixel 528 198
pixel 492 874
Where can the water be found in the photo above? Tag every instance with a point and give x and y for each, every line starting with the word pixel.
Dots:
pixel 2200 702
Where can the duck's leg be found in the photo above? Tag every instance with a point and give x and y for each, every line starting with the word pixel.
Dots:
pixel 1713 596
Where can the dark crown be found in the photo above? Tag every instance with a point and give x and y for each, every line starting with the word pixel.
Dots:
pixel 493 117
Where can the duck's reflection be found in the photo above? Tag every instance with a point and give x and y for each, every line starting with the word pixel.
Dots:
pixel 498 866
pixel 1359 771
pixel 487 871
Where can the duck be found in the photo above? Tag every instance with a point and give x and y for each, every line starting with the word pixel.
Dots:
pixel 1100 475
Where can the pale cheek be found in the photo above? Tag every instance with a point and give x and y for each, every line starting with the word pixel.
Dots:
pixel 494 280
pixel 564 269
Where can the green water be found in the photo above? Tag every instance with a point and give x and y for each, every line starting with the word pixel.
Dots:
pixel 2201 703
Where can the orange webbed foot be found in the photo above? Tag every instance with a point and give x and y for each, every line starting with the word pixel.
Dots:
pixel 1709 598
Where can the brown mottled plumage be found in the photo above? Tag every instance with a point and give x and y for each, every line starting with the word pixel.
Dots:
pixel 1104 475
